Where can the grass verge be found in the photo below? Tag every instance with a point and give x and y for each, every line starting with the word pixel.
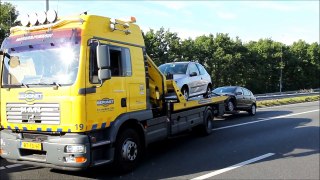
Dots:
pixel 277 102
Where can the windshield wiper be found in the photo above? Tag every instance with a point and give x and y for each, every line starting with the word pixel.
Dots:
pixel 15 85
pixel 53 83
pixel 25 85
pixel 57 84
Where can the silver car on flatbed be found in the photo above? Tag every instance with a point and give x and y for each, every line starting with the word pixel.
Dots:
pixel 191 77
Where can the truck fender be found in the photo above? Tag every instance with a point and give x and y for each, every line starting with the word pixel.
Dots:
pixel 127 119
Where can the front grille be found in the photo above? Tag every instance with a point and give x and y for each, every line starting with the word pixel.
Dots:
pixel 38 137
pixel 35 114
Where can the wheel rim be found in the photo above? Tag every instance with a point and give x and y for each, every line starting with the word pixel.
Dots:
pixel 185 93
pixel 253 109
pixel 208 92
pixel 209 124
pixel 230 106
pixel 129 150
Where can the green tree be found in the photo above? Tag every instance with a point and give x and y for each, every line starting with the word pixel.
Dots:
pixel 255 65
pixel 162 46
pixel 8 16
pixel 304 66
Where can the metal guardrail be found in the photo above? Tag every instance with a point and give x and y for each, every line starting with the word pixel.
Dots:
pixel 287 94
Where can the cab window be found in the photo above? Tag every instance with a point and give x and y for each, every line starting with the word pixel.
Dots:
pixel 120 61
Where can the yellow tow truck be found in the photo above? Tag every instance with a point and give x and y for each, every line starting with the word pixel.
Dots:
pixel 80 92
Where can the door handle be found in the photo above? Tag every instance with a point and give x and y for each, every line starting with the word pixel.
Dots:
pixel 123 102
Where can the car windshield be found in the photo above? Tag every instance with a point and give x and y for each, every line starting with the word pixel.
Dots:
pixel 41 63
pixel 224 90
pixel 174 68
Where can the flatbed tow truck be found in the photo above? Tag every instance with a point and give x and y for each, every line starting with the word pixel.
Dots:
pixel 80 91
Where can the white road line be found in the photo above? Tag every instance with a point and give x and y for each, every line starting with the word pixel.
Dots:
pixel 214 173
pixel 263 119
pixel 10 166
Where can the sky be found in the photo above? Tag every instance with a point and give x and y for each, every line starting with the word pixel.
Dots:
pixel 283 21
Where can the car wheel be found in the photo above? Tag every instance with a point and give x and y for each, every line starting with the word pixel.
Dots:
pixel 253 110
pixel 208 92
pixel 127 150
pixel 230 106
pixel 185 92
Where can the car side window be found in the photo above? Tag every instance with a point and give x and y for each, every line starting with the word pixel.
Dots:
pixel 120 62
pixel 193 68
pixel 201 69
pixel 246 92
pixel 239 90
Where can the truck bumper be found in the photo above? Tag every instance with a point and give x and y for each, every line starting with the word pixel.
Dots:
pixel 53 150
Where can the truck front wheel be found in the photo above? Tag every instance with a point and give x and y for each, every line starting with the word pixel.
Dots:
pixel 127 151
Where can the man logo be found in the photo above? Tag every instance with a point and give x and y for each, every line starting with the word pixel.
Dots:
pixel 30 96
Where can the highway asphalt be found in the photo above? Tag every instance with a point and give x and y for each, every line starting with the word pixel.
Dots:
pixel 278 143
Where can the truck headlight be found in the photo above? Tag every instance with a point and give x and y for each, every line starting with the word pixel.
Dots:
pixel 75 149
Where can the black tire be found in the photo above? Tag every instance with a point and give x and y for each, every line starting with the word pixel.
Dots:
pixel 253 110
pixel 185 92
pixel 208 92
pixel 206 127
pixel 127 151
pixel 230 105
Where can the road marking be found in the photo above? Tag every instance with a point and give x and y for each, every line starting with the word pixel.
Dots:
pixel 10 166
pixel 263 119
pixel 214 173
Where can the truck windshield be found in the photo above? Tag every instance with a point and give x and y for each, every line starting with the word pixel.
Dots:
pixel 41 64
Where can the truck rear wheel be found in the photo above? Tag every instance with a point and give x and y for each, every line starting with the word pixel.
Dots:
pixel 206 128
pixel 127 151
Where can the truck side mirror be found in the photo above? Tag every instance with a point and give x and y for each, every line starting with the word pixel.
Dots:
pixel 104 74
pixel 103 57
pixel 103 63
pixel 238 93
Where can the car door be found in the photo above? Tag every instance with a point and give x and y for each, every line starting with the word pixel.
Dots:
pixel 204 78
pixel 194 81
pixel 240 97
pixel 247 97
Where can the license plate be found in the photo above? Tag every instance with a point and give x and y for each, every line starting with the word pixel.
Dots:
pixel 31 145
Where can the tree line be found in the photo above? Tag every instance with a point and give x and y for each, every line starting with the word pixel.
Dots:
pixel 256 65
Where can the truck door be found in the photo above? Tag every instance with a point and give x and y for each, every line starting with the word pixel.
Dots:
pixel 106 103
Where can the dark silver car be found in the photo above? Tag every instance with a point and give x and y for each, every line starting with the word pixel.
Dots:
pixel 191 77
pixel 240 99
